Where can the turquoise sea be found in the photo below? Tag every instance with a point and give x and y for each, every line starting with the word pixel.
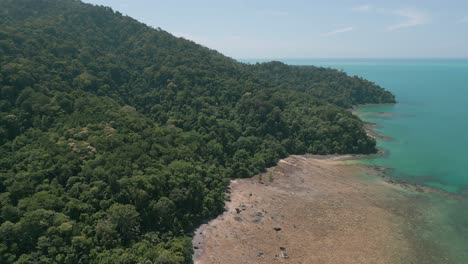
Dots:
pixel 429 125
pixel 428 145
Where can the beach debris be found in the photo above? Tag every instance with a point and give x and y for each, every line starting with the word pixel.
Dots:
pixel 238 218
pixel 241 208
pixel 284 255
pixel 257 217
pixel 260 254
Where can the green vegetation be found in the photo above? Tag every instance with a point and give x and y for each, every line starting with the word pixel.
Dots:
pixel 117 139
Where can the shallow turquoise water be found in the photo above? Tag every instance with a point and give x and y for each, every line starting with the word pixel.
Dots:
pixel 429 125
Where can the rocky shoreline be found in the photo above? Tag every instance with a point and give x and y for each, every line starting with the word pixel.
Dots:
pixel 384 172
pixel 370 129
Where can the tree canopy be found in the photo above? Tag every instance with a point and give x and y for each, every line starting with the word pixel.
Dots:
pixel 118 139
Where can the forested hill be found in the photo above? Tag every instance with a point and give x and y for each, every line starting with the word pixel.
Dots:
pixel 329 85
pixel 118 139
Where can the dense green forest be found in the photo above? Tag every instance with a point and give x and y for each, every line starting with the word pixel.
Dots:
pixel 118 139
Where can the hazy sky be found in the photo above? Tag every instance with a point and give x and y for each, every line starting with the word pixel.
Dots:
pixel 310 28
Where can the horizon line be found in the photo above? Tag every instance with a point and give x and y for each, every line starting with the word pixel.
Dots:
pixel 350 58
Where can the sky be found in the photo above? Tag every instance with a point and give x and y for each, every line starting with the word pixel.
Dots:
pixel 270 29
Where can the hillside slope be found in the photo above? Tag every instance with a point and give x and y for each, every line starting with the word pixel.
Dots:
pixel 118 139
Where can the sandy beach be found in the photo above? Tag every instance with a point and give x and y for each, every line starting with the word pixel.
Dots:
pixel 312 209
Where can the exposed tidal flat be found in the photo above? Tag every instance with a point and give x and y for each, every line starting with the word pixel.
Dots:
pixel 313 209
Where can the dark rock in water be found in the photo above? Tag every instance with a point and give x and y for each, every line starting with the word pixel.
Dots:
pixel 277 229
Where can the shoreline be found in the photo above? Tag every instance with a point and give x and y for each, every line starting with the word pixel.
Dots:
pixel 322 184
pixel 311 202
pixel 371 131
pixel 383 172
pixel 370 127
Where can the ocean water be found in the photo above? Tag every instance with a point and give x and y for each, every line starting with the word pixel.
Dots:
pixel 428 145
pixel 428 126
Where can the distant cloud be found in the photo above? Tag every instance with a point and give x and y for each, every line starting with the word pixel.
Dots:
pixel 273 13
pixel 338 31
pixel 412 18
pixel 362 8
pixel 463 20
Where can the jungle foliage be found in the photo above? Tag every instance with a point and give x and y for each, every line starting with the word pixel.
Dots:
pixel 118 139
